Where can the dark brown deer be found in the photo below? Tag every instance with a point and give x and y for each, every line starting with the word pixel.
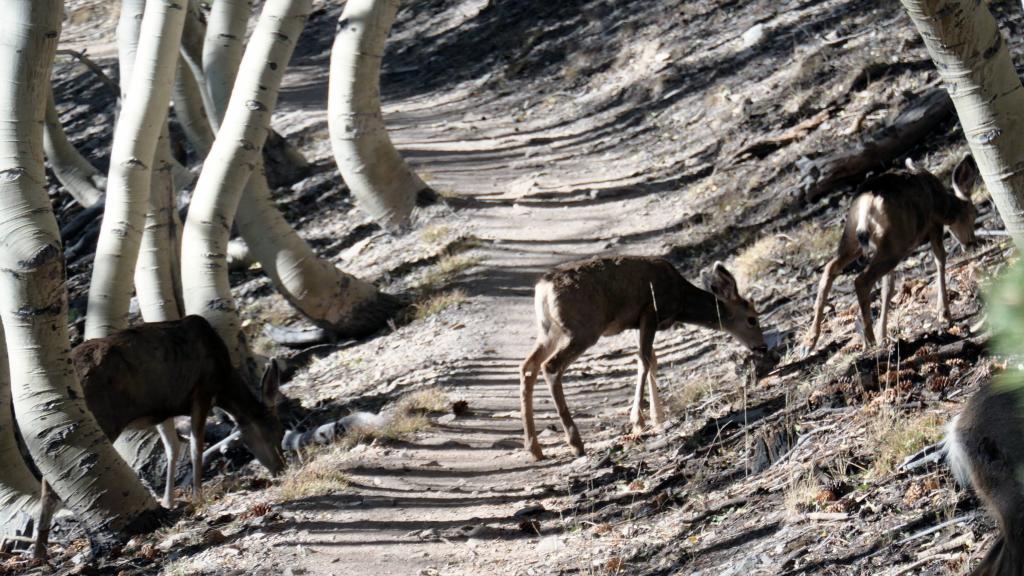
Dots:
pixel 578 303
pixel 985 446
pixel 898 212
pixel 142 376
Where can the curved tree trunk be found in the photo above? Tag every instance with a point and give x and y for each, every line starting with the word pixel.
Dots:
pixel 190 110
pixel 143 114
pixel 376 173
pixel 969 51
pixel 158 271
pixel 222 53
pixel 19 489
pixel 332 299
pixel 75 173
pixel 60 433
pixel 235 153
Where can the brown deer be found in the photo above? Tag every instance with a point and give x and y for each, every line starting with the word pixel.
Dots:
pixel 984 446
pixel 578 303
pixel 139 377
pixel 898 212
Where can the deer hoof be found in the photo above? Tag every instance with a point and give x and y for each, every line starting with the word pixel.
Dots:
pixel 578 449
pixel 534 449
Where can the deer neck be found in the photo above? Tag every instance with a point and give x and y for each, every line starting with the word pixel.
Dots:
pixel 699 307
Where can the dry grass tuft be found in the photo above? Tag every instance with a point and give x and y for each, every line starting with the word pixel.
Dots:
pixel 691 392
pixel 802 494
pixel 446 269
pixel 426 401
pixel 319 476
pixel 435 233
pixel 809 242
pixel 437 303
pixel 894 436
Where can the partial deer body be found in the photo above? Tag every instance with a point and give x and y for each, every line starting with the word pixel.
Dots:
pixel 142 376
pixel 898 212
pixel 985 445
pixel 577 303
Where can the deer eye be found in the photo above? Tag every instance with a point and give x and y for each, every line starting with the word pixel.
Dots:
pixel 752 321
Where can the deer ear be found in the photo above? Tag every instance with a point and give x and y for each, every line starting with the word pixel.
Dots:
pixel 721 283
pixel 964 176
pixel 271 383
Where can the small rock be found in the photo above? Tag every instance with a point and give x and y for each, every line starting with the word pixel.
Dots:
pixel 213 536
pixel 753 36
pixel 446 419
pixel 549 544
pixel 530 509
pixel 174 541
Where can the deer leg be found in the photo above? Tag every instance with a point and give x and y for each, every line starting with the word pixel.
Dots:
pixel 832 269
pixel 636 415
pixel 940 266
pixel 172 449
pixel 863 284
pixel 657 409
pixel 527 379
pixel 883 319
pixel 47 504
pixel 554 367
pixel 648 324
pixel 200 408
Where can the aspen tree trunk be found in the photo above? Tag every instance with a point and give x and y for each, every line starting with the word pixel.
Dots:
pixel 190 110
pixel 969 51
pixel 143 114
pixel 332 299
pixel 63 438
pixel 327 296
pixel 382 183
pixel 235 153
pixel 19 489
pixel 75 173
pixel 158 271
pixel 222 53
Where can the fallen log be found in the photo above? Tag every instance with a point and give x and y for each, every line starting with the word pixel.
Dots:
pixel 823 174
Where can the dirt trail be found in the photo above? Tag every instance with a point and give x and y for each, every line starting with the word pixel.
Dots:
pixel 411 507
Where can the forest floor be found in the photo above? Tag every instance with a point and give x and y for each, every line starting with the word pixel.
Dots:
pixel 556 131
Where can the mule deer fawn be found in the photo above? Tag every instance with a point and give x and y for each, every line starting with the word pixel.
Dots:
pixel 898 212
pixel 984 445
pixel 142 376
pixel 577 303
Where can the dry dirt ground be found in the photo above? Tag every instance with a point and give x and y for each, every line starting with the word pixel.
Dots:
pixel 560 130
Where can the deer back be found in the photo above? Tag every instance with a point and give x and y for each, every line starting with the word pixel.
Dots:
pixel 608 295
pixel 146 374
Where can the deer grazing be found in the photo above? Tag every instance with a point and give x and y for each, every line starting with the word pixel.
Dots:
pixel 897 212
pixel 578 303
pixel 985 446
pixel 142 376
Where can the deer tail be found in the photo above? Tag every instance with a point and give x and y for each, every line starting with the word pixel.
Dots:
pixel 956 456
pixel 863 209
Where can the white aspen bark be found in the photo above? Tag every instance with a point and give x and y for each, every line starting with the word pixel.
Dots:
pixel 143 113
pixel 235 153
pixel 379 178
pixel 158 271
pixel 222 52
pixel 19 489
pixel 191 111
pixel 332 299
pixel 63 438
pixel 972 57
pixel 76 174
pixel 192 38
